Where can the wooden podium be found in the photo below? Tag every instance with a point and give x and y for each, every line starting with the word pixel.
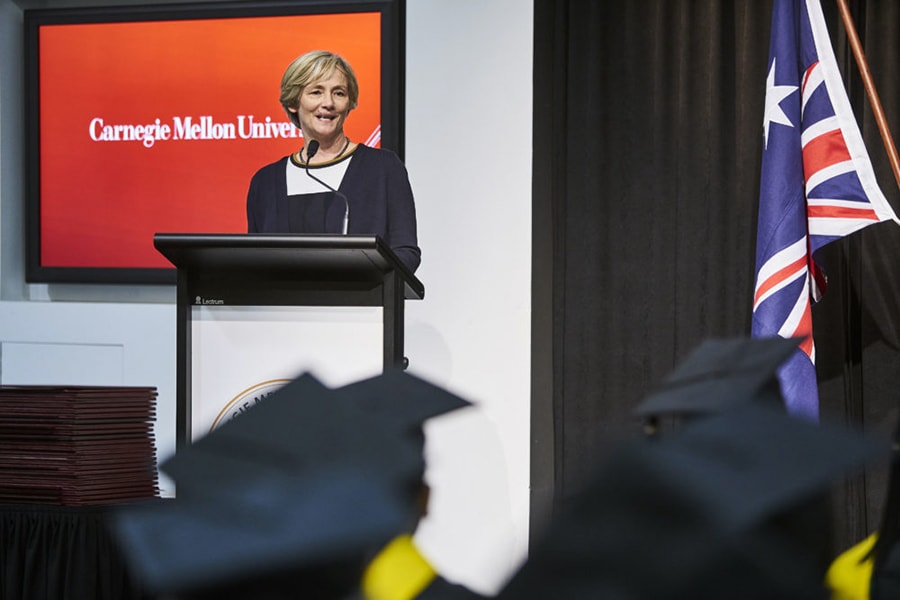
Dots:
pixel 234 287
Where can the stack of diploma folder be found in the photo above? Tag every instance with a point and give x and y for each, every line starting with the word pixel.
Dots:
pixel 77 445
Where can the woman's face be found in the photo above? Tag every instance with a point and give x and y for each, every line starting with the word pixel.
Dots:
pixel 323 107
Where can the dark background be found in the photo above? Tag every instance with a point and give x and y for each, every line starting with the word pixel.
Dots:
pixel 647 145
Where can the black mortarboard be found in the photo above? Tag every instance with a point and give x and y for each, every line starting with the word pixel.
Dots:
pixel 305 535
pixel 301 426
pixel 718 509
pixel 403 400
pixel 302 461
pixel 721 373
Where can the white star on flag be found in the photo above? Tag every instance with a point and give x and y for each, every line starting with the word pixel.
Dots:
pixel 774 95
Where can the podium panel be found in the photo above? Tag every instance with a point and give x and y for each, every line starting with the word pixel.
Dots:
pixel 241 354
pixel 255 311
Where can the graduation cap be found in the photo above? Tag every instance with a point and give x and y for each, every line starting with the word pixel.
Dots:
pixel 721 373
pixel 303 478
pixel 276 536
pixel 400 399
pixel 403 402
pixel 726 507
pixel 302 426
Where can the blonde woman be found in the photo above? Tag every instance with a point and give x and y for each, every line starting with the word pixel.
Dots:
pixel 291 195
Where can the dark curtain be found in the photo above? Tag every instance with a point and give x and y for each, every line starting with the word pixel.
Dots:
pixel 648 139
pixel 61 553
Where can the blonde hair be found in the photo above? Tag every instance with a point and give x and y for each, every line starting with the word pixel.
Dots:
pixel 309 68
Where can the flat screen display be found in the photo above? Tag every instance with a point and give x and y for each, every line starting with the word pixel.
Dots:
pixel 153 119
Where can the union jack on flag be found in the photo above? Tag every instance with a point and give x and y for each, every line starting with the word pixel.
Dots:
pixel 817 185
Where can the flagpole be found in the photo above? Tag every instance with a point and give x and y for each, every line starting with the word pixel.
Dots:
pixel 869 85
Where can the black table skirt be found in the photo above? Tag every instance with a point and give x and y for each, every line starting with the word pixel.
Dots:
pixel 61 553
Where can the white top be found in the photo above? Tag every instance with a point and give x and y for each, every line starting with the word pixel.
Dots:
pixel 332 173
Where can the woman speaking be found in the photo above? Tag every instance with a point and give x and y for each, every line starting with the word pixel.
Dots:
pixel 332 184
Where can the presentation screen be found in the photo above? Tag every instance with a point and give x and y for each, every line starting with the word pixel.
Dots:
pixel 144 120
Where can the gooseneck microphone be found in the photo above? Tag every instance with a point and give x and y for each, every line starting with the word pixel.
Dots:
pixel 311 148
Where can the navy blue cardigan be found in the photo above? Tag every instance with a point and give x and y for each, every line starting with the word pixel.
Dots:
pixel 377 188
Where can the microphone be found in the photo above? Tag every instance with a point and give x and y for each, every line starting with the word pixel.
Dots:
pixel 311 148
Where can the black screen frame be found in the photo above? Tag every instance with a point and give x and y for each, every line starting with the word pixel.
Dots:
pixel 393 54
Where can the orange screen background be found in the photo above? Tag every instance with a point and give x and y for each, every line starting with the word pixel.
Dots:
pixel 102 201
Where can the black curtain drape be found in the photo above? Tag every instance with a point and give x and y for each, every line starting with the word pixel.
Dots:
pixel 61 553
pixel 647 147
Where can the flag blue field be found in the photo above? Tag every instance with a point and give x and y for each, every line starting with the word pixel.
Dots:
pixel 816 185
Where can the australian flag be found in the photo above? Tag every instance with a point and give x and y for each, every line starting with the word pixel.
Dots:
pixel 817 185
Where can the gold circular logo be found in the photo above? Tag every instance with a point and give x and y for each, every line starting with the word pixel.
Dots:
pixel 247 399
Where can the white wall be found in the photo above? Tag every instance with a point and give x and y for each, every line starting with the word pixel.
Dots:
pixel 468 151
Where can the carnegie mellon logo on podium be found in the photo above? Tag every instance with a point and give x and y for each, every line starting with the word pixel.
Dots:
pixel 247 399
